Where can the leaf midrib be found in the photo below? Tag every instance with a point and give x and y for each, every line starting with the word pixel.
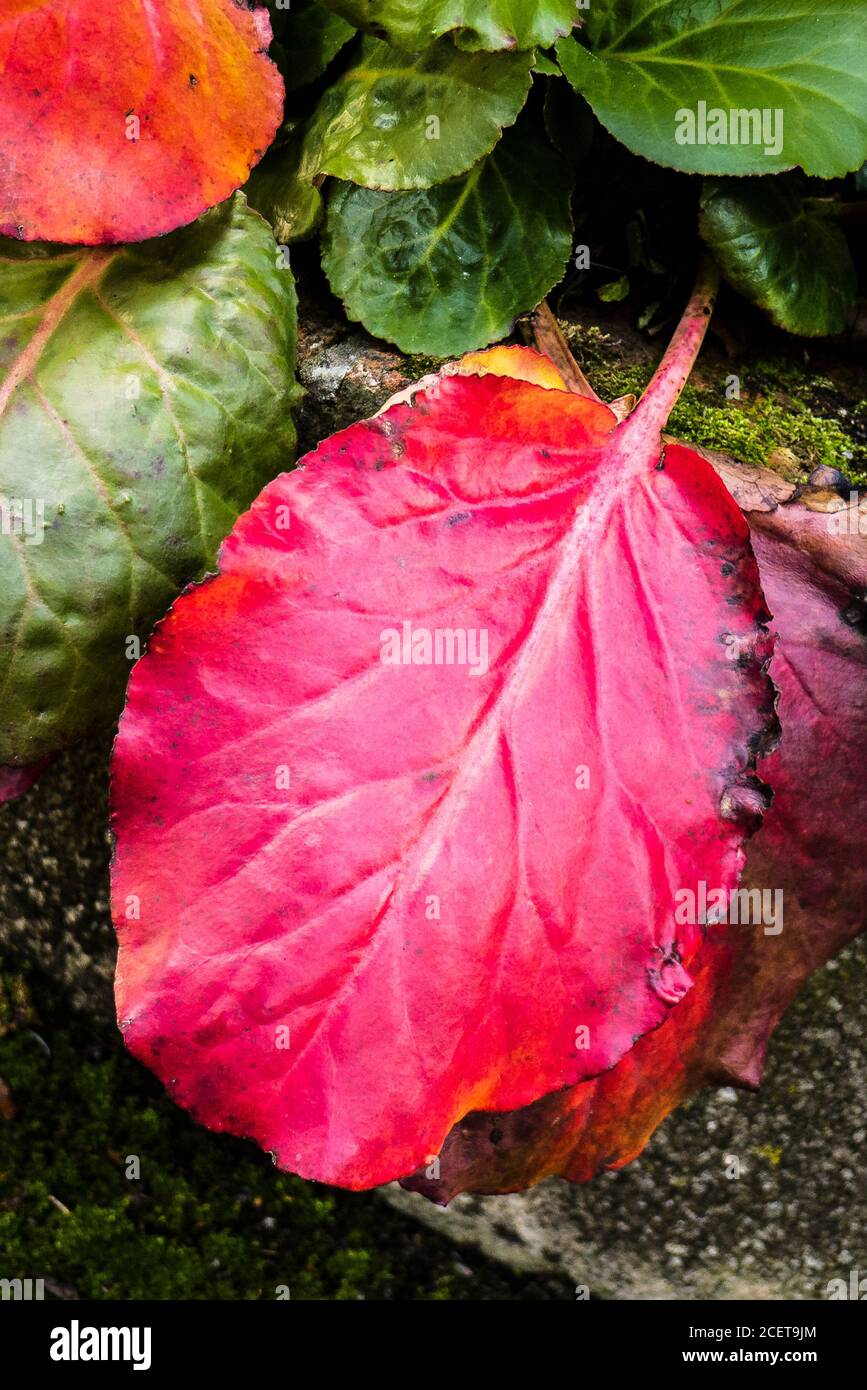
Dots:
pixel 90 272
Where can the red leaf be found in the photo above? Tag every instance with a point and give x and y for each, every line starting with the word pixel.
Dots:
pixel 810 848
pixel 123 121
pixel 433 907
pixel 15 781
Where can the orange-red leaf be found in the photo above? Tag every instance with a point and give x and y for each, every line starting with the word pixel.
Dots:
pixel 123 119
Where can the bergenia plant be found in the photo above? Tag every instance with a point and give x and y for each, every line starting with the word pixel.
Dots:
pixel 498 776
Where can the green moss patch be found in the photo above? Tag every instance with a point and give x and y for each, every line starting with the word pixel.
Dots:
pixel 209 1217
pixel 781 406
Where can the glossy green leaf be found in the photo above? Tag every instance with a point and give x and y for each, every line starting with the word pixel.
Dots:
pixel 728 86
pixel 614 291
pixel 407 120
pixel 489 24
pixel 285 186
pixel 144 401
pixel 569 121
pixel 447 269
pixel 785 254
pixel 546 67
pixel 306 38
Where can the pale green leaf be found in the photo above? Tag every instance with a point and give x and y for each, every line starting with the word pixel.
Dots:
pixel 145 396
pixel 489 24
pixel 614 290
pixel 407 120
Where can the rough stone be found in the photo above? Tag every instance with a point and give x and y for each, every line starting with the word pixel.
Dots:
pixel 672 1224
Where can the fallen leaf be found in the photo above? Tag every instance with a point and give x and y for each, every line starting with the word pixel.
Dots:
pixel 358 896
pixel 809 848
pixel 15 781
pixel 124 121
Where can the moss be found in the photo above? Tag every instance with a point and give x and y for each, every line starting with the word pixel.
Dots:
pixel 773 1153
pixel 781 407
pixel 418 366
pixel 209 1217
pixel 15 1005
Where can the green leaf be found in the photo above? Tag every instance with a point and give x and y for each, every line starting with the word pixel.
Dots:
pixel 306 38
pixel 284 187
pixel 407 120
pixel 614 290
pixel 489 24
pixel 569 122
pixel 449 268
pixel 546 67
pixel 144 402
pixel 660 69
pixel 786 255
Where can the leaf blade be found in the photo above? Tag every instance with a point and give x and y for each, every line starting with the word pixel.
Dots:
pixel 430 278
pixel 646 67
pixel 791 260
pixel 308 909
pixel 475 24
pixel 806 850
pixel 142 407
pixel 122 123
pixel 397 120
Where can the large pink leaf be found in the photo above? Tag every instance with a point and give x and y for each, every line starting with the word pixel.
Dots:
pixel 356 900
pixel 810 848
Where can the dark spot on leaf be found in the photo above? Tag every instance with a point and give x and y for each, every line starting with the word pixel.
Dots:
pixel 855 616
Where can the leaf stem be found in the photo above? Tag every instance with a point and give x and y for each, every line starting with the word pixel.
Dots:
pixel 542 329
pixel 652 412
